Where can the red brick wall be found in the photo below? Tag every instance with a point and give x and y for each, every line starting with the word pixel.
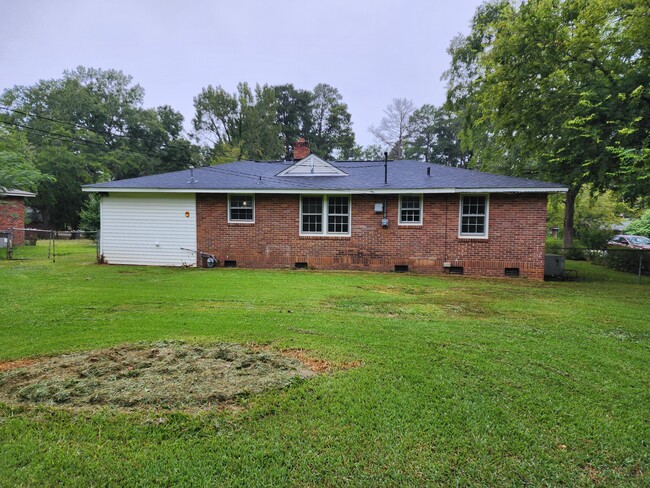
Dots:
pixel 12 214
pixel 517 226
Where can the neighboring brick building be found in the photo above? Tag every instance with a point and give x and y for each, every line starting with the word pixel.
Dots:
pixel 12 212
pixel 403 215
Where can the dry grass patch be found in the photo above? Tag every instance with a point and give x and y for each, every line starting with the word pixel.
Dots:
pixel 319 366
pixel 171 375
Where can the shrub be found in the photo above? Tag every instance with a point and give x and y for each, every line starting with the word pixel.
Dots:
pixel 640 227
pixel 627 260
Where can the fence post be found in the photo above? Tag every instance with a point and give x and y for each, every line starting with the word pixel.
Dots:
pixel 640 265
pixel 10 244
pixel 97 246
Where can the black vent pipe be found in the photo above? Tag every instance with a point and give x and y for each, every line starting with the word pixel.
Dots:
pixel 385 167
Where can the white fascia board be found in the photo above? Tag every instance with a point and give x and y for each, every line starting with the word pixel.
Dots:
pixel 321 191
pixel 16 193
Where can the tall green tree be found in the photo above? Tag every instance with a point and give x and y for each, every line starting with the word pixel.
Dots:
pixel 90 126
pixel 331 135
pixel 241 125
pixel 435 137
pixel 557 90
pixel 17 166
pixel 294 115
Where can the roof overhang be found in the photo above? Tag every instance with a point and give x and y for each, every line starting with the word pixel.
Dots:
pixel 320 191
pixel 4 192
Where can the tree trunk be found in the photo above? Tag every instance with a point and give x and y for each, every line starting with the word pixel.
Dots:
pixel 569 211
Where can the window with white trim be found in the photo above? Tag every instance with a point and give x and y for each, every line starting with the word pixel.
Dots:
pixel 410 209
pixel 241 208
pixel 473 216
pixel 325 215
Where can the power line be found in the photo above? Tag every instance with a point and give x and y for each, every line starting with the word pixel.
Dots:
pixel 252 176
pixel 79 126
pixel 47 133
pixel 72 139
pixel 65 138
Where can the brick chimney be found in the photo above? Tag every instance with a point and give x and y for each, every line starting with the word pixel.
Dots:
pixel 300 149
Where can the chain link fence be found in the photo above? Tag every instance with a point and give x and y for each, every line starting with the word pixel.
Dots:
pixel 26 244
pixel 580 264
pixel 611 264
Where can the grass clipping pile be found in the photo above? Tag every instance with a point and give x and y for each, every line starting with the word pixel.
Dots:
pixel 166 375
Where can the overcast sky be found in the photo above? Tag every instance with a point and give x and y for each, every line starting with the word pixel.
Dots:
pixel 371 50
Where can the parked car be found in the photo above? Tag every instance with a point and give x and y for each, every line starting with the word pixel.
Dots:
pixel 631 242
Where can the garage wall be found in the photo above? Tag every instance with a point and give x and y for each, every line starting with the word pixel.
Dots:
pixel 148 229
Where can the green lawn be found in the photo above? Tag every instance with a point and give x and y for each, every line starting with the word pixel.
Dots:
pixel 463 381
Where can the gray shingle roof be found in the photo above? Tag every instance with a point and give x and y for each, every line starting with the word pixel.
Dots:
pixel 363 176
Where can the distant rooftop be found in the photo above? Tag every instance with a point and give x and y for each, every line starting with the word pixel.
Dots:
pixel 12 192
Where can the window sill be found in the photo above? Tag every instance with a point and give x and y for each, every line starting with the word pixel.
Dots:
pixel 324 236
pixel 473 238
pixel 238 224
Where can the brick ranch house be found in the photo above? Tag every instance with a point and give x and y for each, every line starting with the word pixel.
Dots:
pixel 12 213
pixel 398 216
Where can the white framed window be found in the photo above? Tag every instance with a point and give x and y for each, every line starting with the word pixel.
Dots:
pixel 473 218
pixel 241 208
pixel 325 215
pixel 410 210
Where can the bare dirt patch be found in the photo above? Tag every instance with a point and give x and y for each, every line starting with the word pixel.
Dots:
pixel 317 365
pixel 7 365
pixel 171 375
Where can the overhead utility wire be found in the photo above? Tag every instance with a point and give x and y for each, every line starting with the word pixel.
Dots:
pixel 78 126
pixel 48 133
pixel 74 140
pixel 77 139
pixel 254 176
pixel 104 146
pixel 65 138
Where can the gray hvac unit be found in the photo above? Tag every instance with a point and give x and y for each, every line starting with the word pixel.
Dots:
pixel 553 265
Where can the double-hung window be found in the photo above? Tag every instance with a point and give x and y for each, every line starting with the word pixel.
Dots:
pixel 410 209
pixel 473 216
pixel 325 215
pixel 241 208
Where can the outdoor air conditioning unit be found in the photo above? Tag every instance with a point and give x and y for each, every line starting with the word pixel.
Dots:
pixel 3 242
pixel 553 265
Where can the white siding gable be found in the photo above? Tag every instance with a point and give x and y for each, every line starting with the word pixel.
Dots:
pixel 148 229
pixel 312 165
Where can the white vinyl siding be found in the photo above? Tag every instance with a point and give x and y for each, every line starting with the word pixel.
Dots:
pixel 148 229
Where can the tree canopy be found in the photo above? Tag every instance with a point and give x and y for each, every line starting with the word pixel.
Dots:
pixel 557 90
pixel 84 127
pixel 17 166
pixel 265 124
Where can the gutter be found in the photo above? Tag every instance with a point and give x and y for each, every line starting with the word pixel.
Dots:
pixel 320 191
